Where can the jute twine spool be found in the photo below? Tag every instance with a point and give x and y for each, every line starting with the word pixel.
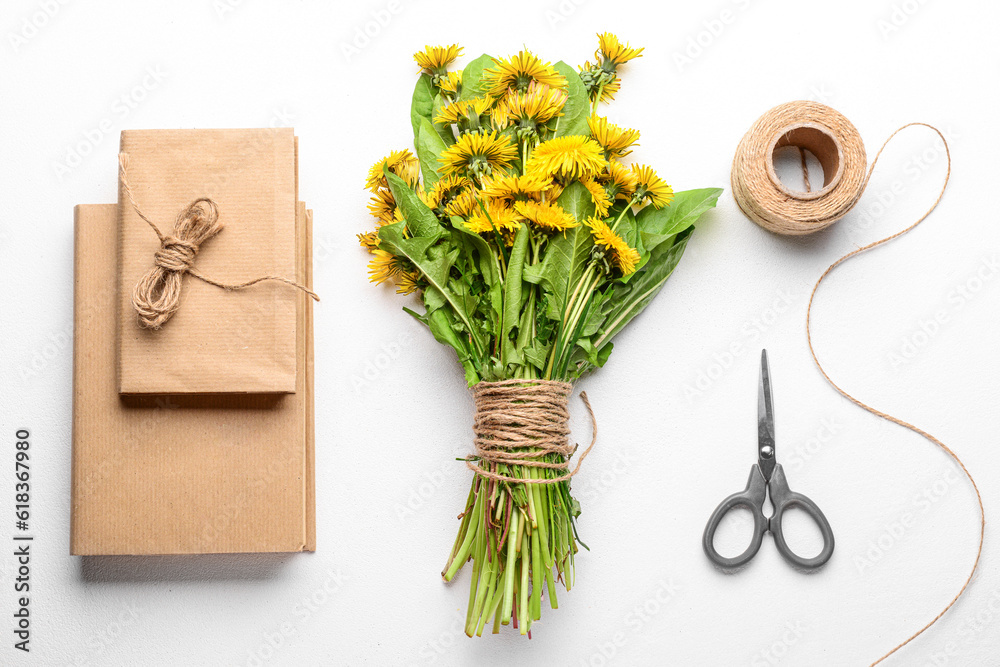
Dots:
pixel 522 422
pixel 765 200
pixel 826 134
pixel 157 294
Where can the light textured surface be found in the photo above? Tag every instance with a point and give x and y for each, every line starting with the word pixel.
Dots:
pixel 675 406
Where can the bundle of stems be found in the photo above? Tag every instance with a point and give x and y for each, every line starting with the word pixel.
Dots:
pixel 521 539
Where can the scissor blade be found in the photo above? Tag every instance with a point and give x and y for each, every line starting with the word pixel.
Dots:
pixel 765 420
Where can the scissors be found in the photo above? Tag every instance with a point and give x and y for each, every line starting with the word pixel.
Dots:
pixel 767 476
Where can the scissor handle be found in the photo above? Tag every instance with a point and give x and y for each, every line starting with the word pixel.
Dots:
pixel 752 498
pixel 783 498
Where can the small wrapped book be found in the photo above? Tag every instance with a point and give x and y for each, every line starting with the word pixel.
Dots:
pixel 218 341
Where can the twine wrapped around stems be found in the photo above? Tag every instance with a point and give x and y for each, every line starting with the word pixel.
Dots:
pixel 522 422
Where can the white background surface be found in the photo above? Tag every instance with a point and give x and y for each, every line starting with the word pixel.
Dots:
pixel 388 485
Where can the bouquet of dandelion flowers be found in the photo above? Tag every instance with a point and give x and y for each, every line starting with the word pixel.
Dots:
pixel 531 243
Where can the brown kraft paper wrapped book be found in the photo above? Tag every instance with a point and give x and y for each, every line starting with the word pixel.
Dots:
pixel 218 341
pixel 183 474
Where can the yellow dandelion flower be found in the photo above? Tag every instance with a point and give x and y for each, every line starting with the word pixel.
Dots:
pixel 600 197
pixel 548 217
pixel 383 206
pixel 612 50
pixel 623 256
pixel 402 163
pixel 536 106
pixel 569 157
pixel 444 191
pixel 553 193
pixel 451 84
pixel 462 204
pixel 611 89
pixel 615 140
pixel 619 180
pixel 406 282
pixel 409 171
pixel 369 241
pixel 517 187
pixel 382 267
pixel 497 215
pixel 509 236
pixel 598 80
pixel 434 59
pixel 462 110
pixel 425 197
pixel 517 72
pixel 651 186
pixel 478 154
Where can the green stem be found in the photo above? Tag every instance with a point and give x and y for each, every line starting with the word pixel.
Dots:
pixel 529 473
pixel 576 292
pixel 508 591
pixel 523 621
pixel 572 325
pixel 537 574
pixel 463 552
pixel 500 503
pixel 543 523
pixel 463 527
pixel 527 334
pixel 478 570
pixel 578 307
pixel 491 609
pixel 597 98
pixel 561 338
pixel 486 581
pixel 631 202
pixel 550 584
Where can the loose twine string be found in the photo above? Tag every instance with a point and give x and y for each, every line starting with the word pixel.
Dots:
pixel 784 217
pixel 521 422
pixel 156 296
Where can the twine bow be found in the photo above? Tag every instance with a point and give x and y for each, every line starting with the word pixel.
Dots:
pixel 156 297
